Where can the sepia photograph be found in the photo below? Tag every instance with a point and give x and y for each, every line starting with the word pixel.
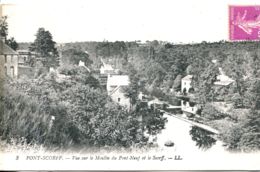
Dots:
pixel 129 85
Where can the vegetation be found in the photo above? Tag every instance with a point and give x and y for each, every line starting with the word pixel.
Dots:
pixel 73 56
pixel 68 108
pixel 161 66
pixel 45 47
pixel 209 112
pixel 203 138
pixel 4 33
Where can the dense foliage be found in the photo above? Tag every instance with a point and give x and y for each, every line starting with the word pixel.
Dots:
pixel 156 68
pixel 160 68
pixel 73 56
pixel 203 138
pixel 4 33
pixel 45 47
pixel 68 108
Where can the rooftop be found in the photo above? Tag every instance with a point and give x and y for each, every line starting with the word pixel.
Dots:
pixel 187 78
pixel 107 67
pixel 118 80
pixel 5 49
pixel 223 80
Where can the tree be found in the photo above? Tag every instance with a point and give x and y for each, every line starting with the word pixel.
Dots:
pixel 84 115
pixel 250 139
pixel 152 120
pixel 252 95
pixel 244 135
pixel 3 27
pixel 4 33
pixel 204 82
pixel 235 67
pixel 203 138
pixel 209 112
pixel 45 46
pixel 237 101
pixel 134 88
pixel 177 83
pixel 73 56
pixel 12 43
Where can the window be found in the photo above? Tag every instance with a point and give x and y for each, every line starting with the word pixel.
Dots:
pixel 5 70
pixel 118 99
pixel 5 58
pixel 12 71
pixel 24 59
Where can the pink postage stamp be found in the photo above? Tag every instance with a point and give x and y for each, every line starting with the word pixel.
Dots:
pixel 244 22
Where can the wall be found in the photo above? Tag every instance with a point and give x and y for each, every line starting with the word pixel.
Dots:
pixel 187 108
pixel 185 84
pixel 124 101
pixel 11 61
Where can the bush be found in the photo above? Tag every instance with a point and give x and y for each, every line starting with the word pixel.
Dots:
pixel 174 101
pixel 209 112
pixel 231 137
pixel 237 101
pixel 71 113
pixel 244 135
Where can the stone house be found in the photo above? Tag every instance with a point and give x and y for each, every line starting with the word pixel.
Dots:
pixel 190 107
pixel 186 84
pixel 25 56
pixel 115 85
pixel 10 60
pixel 186 88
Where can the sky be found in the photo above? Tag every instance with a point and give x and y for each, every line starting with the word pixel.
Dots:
pixel 182 21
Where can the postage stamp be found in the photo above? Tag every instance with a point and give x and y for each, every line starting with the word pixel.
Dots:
pixel 244 22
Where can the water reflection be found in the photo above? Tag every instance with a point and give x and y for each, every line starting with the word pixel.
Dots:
pixel 202 137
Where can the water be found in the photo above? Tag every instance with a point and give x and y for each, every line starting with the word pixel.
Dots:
pixel 187 138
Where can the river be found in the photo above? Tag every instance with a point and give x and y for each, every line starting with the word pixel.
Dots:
pixel 178 131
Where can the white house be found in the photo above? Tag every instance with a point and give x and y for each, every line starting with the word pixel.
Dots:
pixel 115 84
pixel 185 88
pixel 82 64
pixel 106 69
pixel 187 106
pixel 223 79
pixel 10 60
pixel 186 83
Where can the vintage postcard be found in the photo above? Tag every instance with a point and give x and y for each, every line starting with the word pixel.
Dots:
pixel 129 85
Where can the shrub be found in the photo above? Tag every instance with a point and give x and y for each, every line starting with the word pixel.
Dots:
pixel 71 113
pixel 210 113
pixel 237 101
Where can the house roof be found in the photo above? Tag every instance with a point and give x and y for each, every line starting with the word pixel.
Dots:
pixel 5 49
pixel 118 80
pixel 107 67
pixel 23 51
pixel 187 78
pixel 223 80
pixel 117 89
pixel 156 101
